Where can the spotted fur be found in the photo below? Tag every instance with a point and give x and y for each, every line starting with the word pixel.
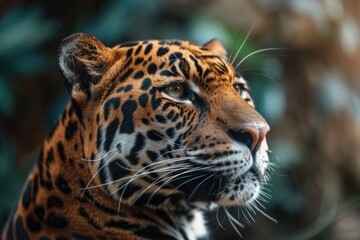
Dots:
pixel 130 160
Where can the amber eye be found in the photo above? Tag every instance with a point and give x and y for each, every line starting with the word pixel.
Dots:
pixel 175 90
pixel 238 89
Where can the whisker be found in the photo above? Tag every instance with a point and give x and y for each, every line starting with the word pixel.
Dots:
pixel 87 185
pixel 234 221
pixel 243 43
pixel 263 213
pixel 174 177
pixel 217 219
pixel 256 52
pixel 193 192
pixel 159 179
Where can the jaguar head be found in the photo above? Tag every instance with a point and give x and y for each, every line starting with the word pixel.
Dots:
pixel 167 121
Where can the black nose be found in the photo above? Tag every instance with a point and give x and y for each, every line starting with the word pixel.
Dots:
pixel 251 136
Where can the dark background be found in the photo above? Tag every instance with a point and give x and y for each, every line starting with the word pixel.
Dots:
pixel 309 93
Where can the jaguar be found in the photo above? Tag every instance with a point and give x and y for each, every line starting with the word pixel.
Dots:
pixel 155 133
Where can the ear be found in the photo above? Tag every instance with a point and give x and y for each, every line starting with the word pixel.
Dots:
pixel 82 59
pixel 216 47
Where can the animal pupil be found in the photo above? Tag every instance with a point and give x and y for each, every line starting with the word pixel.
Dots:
pixel 155 132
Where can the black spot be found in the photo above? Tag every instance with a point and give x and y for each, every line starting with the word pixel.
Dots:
pixel 152 155
pixel 114 102
pixel 176 117
pixel 70 130
pixel 56 221
pixel 152 68
pixel 26 200
pixel 128 88
pixel 166 106
pixel 61 151
pixel 98 137
pixel 145 121
pixel 155 103
pixel 49 157
pixel 154 135
pixel 32 223
pixel 161 51
pixel 170 132
pixel 118 169
pixel 128 191
pixel 39 212
pixel 146 84
pixel 139 60
pixel 162 65
pixel 97 119
pixel 123 77
pixel 102 172
pixel 167 73
pixel 63 185
pixel 20 229
pixel 138 146
pixel 198 68
pixel 138 50
pixel 160 119
pixel 128 109
pixel 148 48
pixel 54 202
pixel 175 56
pixel 139 75
pixel 110 133
pixel 143 99
pixel 170 115
pixel 77 109
pixel 129 52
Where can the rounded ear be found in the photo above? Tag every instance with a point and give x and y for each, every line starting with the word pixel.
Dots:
pixel 216 47
pixel 82 59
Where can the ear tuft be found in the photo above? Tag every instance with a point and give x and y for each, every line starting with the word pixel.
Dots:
pixel 216 47
pixel 82 59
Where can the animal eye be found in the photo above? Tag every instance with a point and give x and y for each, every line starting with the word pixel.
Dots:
pixel 175 90
pixel 239 89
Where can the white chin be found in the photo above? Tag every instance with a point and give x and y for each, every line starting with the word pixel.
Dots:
pixel 240 194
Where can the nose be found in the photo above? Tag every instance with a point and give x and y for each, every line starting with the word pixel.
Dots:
pixel 257 135
pixel 252 136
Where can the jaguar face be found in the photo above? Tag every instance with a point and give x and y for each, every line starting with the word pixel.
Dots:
pixel 170 121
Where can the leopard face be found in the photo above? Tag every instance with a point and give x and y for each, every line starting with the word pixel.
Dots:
pixel 166 122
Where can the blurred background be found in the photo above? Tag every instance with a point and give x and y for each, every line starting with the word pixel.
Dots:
pixel 309 92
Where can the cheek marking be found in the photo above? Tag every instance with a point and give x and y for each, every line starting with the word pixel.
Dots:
pixel 114 102
pixel 128 109
pixel 110 133
pixel 138 146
